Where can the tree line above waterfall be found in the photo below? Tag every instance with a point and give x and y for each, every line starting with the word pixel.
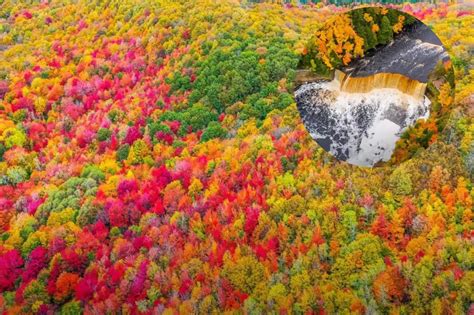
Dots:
pixel 351 35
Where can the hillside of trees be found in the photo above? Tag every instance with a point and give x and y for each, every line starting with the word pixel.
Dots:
pixel 352 35
pixel 152 161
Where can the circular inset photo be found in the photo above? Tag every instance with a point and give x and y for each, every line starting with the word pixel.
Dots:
pixel 374 86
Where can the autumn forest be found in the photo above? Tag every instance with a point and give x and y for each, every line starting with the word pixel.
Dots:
pixel 153 161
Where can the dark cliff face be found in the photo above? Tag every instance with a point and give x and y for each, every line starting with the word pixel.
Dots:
pixel 413 53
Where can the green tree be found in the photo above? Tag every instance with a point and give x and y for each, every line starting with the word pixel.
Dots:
pixel 94 172
pixel 122 152
pixel 213 130
pixel 71 308
pixel 362 27
pixel 386 32
pixel 103 134
pixel 198 117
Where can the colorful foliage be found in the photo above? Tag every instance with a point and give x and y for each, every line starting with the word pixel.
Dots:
pixel 152 161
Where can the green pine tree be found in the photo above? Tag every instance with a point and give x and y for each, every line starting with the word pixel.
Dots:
pixel 386 33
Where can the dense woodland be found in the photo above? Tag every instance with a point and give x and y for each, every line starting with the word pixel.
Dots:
pixel 348 36
pixel 152 160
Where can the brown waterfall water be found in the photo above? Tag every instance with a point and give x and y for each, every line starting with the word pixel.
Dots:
pixel 366 84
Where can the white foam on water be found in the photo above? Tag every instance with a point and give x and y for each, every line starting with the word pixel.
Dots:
pixel 378 145
pixel 389 111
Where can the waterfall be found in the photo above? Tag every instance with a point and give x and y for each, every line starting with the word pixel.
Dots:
pixel 358 122
pixel 360 115
pixel 366 84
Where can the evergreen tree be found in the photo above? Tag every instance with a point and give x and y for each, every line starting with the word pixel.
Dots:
pixel 362 27
pixel 386 33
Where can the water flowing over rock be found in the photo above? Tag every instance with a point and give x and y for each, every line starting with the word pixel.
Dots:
pixel 380 81
pixel 360 128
